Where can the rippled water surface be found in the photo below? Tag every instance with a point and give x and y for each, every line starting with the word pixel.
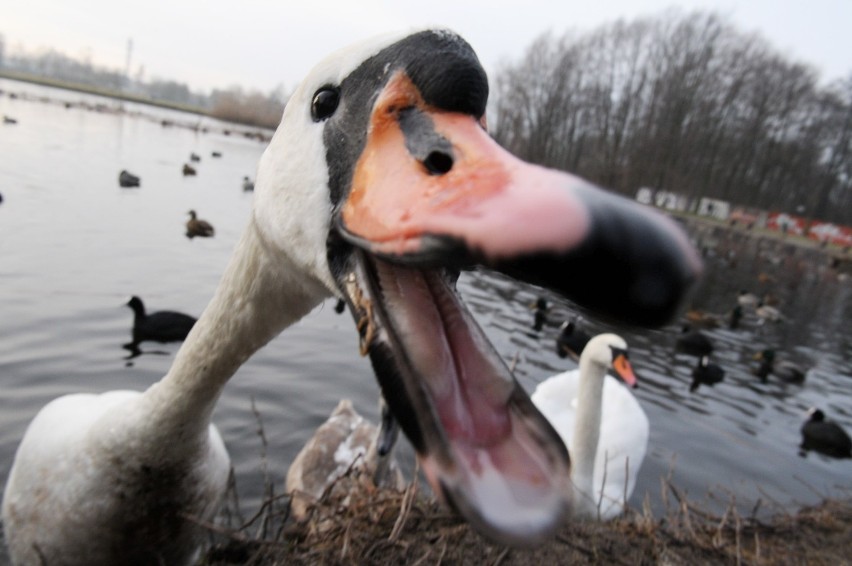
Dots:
pixel 74 247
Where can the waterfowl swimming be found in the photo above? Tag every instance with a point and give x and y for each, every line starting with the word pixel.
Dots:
pixel 248 184
pixel 571 340
pixel 735 316
pixel 127 179
pixel 702 319
pixel 9 120
pixel 825 437
pixel 194 157
pixel 785 371
pixel 188 170
pixel 602 424
pixel 126 469
pixel 706 373
pixel 693 342
pixel 197 227
pixel 767 313
pixel 539 308
pixel 346 442
pixel 746 299
pixel 161 326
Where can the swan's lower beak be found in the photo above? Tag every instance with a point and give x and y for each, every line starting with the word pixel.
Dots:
pixel 432 193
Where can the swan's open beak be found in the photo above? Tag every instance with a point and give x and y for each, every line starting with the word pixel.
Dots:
pixel 432 193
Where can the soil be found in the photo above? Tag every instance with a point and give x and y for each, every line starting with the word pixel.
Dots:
pixel 375 526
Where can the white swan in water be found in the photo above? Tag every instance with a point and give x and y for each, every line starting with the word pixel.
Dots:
pixel 379 184
pixel 602 424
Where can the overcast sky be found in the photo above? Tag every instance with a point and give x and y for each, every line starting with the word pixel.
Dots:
pixel 261 44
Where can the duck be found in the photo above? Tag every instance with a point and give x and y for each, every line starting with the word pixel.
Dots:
pixel 248 184
pixel 746 299
pixel 693 342
pixel 539 308
pixel 161 326
pixel 603 425
pixel 9 120
pixel 706 373
pixel 343 444
pixel 127 179
pixel 571 340
pixel 702 319
pixel 734 317
pixel 768 313
pixel 194 157
pixel 130 468
pixel 825 437
pixel 785 371
pixel 188 170
pixel 197 227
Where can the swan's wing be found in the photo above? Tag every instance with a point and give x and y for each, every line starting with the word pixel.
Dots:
pixel 556 398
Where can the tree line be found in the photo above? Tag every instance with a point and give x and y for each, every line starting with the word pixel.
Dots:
pixel 234 104
pixel 686 103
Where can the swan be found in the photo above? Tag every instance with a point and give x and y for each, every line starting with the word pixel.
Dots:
pixel 329 219
pixel 197 227
pixel 825 437
pixel 344 442
pixel 161 326
pixel 602 424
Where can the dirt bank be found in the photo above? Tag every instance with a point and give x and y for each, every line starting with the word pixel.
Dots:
pixel 386 527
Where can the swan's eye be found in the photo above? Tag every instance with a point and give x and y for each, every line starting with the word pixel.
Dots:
pixel 325 103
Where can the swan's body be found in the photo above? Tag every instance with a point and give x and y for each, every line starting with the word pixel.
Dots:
pixel 197 227
pixel 346 442
pixel 602 424
pixel 111 479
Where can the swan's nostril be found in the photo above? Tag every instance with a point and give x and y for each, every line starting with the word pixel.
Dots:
pixel 438 163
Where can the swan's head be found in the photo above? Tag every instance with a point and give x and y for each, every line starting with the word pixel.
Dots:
pixel 381 182
pixel 609 351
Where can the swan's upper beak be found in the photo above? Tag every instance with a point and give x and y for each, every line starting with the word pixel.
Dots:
pixel 624 370
pixel 432 193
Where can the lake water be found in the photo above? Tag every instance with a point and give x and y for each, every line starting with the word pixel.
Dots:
pixel 74 247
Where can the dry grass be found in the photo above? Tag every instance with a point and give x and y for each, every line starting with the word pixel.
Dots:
pixel 365 525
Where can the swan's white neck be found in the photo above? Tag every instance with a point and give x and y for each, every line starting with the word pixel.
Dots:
pixel 260 294
pixel 587 429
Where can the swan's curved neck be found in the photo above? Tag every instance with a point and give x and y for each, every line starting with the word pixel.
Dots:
pixel 587 428
pixel 260 294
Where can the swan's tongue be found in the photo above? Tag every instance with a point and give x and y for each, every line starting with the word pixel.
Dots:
pixel 482 444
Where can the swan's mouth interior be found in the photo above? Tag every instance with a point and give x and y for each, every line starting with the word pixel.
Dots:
pixel 482 444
